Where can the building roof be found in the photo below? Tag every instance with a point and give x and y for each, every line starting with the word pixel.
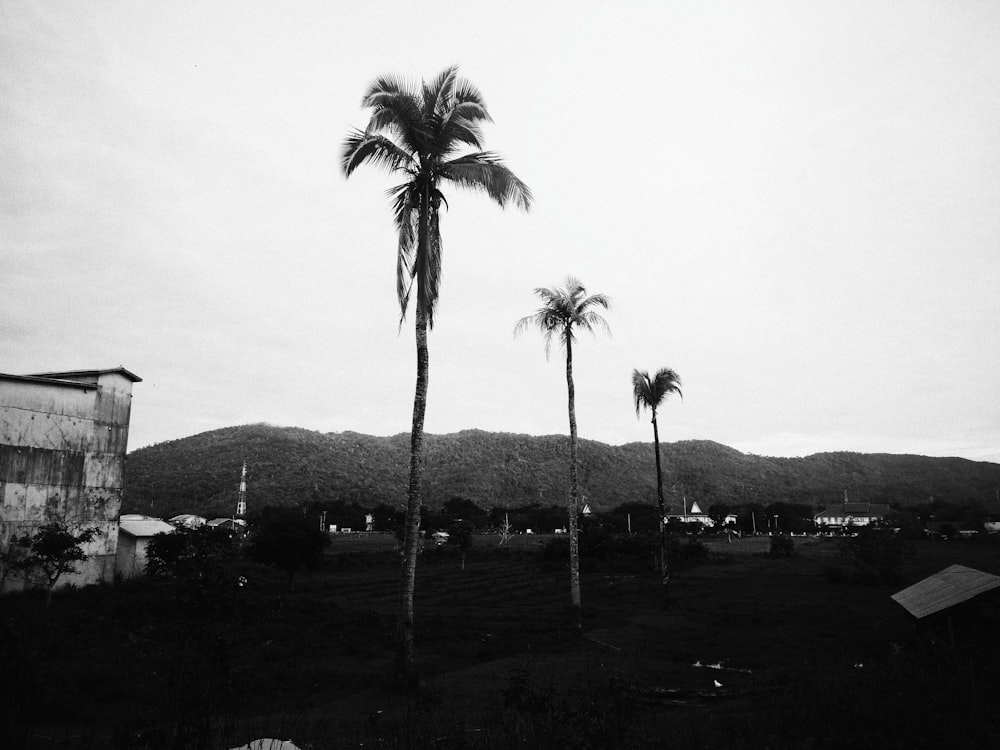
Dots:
pixel 953 585
pixel 227 522
pixel 188 519
pixel 70 378
pixel 47 380
pixel 855 509
pixel 137 525
pixel 74 374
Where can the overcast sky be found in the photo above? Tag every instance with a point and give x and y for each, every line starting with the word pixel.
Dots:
pixel 794 205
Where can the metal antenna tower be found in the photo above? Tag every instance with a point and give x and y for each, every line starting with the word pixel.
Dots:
pixel 241 500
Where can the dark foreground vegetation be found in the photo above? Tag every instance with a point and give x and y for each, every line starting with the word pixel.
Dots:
pixel 765 646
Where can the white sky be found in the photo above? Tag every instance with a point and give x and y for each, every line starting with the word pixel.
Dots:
pixel 795 205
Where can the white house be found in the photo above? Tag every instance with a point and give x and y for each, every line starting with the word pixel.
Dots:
pixel 852 514
pixel 693 514
pixel 134 534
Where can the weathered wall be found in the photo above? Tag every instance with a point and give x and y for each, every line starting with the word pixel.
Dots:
pixel 62 455
pixel 131 561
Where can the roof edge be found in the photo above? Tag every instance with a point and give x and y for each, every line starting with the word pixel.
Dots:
pixel 48 381
pixel 69 374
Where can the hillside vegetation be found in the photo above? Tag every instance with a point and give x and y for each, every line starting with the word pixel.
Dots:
pixel 293 466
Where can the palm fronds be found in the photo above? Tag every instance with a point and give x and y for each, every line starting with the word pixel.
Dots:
pixel 422 130
pixel 649 392
pixel 563 310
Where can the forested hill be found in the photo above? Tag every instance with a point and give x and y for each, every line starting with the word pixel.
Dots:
pixel 291 466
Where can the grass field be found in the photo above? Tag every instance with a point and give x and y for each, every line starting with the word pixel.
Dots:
pixel 754 652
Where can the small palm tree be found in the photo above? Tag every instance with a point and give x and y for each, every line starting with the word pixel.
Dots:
pixel 564 311
pixel 424 133
pixel 649 393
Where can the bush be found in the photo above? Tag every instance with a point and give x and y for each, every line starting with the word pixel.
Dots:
pixel 288 541
pixel 198 557
pixel 604 550
pixel 556 551
pixel 835 574
pixel 691 551
pixel 782 546
pixel 876 555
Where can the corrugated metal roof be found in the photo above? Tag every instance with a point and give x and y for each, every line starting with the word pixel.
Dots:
pixel 189 519
pixel 48 381
pixel 953 585
pixel 143 526
pixel 74 374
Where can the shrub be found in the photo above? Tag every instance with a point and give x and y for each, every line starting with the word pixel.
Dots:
pixel 690 551
pixel 53 550
pixel 288 541
pixel 556 551
pixel 193 556
pixel 876 555
pixel 835 574
pixel 782 546
pixel 604 550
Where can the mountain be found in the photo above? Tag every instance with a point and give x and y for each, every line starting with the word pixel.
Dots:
pixel 291 466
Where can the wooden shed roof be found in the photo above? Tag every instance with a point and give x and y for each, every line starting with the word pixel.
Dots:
pixel 953 585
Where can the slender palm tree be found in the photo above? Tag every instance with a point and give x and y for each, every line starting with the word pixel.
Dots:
pixel 429 134
pixel 649 393
pixel 565 310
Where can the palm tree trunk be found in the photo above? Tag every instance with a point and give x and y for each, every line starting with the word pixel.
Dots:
pixel 405 663
pixel 406 670
pixel 664 563
pixel 574 543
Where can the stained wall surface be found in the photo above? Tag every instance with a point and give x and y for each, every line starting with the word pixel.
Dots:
pixel 63 439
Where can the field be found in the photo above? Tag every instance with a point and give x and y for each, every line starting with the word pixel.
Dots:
pixel 754 652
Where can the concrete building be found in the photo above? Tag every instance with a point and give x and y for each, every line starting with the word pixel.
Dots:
pixel 852 514
pixel 134 534
pixel 63 438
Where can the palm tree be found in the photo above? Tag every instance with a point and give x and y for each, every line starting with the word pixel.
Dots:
pixel 429 134
pixel 649 393
pixel 563 311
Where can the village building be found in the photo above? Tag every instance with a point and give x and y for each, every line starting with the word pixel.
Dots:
pixel 134 535
pixel 235 526
pixel 959 603
pixel 688 514
pixel 63 437
pixel 852 514
pixel 190 520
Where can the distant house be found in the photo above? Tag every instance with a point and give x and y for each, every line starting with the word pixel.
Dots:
pixel 237 525
pixel 692 514
pixel 63 438
pixel 440 537
pixel 134 534
pixel 852 514
pixel 189 519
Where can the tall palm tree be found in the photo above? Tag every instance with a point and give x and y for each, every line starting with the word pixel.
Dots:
pixel 565 310
pixel 430 134
pixel 649 393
